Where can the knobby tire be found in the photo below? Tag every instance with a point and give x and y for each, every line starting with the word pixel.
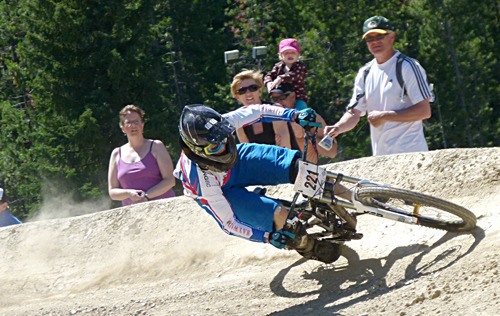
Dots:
pixel 398 200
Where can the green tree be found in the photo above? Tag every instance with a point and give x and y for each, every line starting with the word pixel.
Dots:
pixel 83 61
pixel 458 44
pixel 68 67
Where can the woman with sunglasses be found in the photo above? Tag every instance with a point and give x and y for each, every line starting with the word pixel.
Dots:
pixel 216 172
pixel 140 170
pixel 246 88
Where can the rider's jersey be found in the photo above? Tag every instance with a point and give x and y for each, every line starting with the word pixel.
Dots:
pixel 205 186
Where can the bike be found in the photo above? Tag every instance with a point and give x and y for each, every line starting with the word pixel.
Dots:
pixel 324 221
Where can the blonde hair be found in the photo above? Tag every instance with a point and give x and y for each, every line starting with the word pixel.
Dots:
pixel 131 108
pixel 256 75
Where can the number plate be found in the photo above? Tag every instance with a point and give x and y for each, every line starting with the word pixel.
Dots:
pixel 310 180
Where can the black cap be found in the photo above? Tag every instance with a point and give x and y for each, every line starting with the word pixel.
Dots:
pixel 283 88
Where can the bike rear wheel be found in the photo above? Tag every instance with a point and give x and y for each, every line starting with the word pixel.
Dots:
pixel 428 210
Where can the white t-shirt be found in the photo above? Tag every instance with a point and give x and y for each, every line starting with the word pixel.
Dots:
pixel 383 93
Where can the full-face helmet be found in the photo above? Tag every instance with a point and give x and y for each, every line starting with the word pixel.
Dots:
pixel 206 138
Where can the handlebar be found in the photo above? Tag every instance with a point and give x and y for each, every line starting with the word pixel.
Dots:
pixel 308 125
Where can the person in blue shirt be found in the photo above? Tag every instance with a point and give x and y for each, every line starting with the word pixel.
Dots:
pixel 6 217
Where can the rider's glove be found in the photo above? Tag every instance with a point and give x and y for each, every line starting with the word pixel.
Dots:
pixel 281 238
pixel 306 117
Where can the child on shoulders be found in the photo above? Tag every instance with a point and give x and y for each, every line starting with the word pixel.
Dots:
pixel 289 70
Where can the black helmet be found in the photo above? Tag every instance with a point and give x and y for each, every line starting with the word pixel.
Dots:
pixel 201 126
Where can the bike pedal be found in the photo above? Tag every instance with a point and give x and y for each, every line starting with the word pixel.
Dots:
pixel 357 236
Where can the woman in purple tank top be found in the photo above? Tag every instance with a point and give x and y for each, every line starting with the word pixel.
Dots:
pixel 141 170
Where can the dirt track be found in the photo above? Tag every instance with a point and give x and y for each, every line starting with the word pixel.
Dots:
pixel 169 257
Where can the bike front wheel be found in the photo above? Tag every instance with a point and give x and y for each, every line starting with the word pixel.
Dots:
pixel 428 210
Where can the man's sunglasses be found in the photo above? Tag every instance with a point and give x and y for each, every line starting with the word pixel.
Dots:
pixel 375 38
pixel 251 88
pixel 280 97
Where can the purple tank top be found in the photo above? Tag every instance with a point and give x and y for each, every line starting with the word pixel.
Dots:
pixel 141 175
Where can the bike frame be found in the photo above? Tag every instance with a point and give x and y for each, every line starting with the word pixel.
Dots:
pixel 336 178
pixel 360 207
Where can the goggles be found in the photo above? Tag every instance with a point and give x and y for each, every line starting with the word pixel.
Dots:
pixel 209 150
pixel 214 149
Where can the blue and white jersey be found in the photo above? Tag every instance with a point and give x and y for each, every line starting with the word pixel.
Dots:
pixel 206 186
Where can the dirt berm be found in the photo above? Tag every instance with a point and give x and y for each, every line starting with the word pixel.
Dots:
pixel 170 258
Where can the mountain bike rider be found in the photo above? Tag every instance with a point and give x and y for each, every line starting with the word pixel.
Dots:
pixel 215 172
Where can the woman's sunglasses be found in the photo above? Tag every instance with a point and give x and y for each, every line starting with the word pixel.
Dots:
pixel 251 88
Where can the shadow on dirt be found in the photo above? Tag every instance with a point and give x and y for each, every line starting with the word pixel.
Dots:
pixel 359 280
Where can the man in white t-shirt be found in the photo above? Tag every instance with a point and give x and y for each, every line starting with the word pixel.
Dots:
pixel 395 113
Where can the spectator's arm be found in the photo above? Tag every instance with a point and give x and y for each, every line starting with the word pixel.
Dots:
pixel 282 135
pixel 323 152
pixel 347 122
pixel 166 169
pixel 417 112
pixel 242 137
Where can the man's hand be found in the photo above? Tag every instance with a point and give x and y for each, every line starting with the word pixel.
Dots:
pixel 306 117
pixel 281 238
pixel 347 122
pixel 332 130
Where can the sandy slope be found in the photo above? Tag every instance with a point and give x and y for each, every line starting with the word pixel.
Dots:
pixel 168 257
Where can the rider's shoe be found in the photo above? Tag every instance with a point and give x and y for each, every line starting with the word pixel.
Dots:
pixel 311 248
pixel 321 250
pixel 301 240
